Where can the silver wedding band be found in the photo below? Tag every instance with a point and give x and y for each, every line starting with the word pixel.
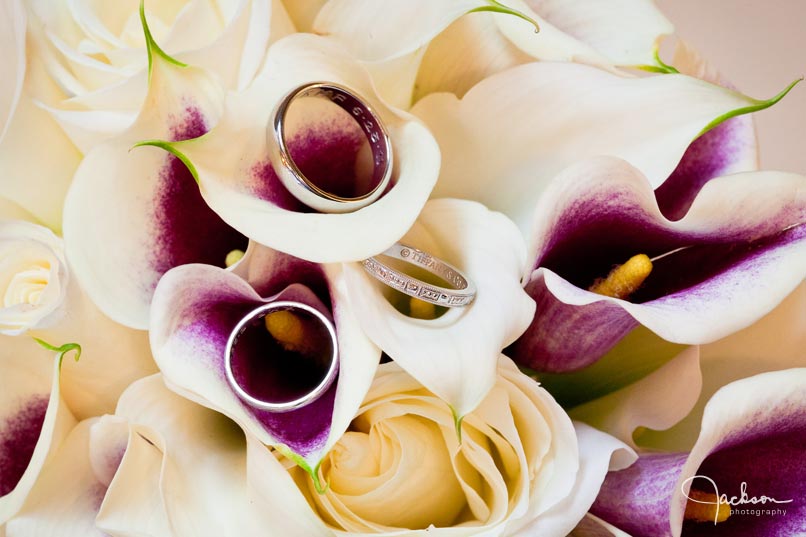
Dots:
pixel 462 292
pixel 303 188
pixel 308 398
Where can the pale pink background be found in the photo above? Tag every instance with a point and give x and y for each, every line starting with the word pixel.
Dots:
pixel 760 46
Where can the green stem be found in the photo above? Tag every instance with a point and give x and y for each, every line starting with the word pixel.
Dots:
pixel 170 147
pixel 497 7
pixel 64 349
pixel 151 46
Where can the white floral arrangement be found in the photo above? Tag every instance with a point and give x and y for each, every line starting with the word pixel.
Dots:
pixel 390 267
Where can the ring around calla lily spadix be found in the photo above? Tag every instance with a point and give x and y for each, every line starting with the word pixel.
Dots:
pixel 282 356
pixel 318 193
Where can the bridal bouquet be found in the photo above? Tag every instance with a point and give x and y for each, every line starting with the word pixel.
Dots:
pixel 393 267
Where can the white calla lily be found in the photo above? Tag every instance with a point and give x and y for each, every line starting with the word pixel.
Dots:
pixel 455 356
pixel 447 33
pixel 35 419
pixel 512 133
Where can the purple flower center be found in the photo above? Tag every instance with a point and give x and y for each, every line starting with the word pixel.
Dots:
pixel 18 438
pixel 188 230
pixel 277 367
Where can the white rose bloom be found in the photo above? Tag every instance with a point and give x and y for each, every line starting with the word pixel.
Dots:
pixel 33 277
pixel 520 467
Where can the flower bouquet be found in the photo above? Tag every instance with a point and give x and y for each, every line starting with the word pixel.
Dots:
pixel 390 267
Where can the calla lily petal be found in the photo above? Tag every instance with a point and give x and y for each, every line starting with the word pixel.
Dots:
pixel 102 462
pixel 728 148
pixel 777 341
pixel 658 401
pixel 203 479
pixel 598 454
pixel 195 309
pixel 723 274
pixel 749 421
pixel 34 419
pixel 36 183
pixel 12 30
pixel 555 114
pixel 239 183
pixel 454 356
pixel 152 216
pixel 623 34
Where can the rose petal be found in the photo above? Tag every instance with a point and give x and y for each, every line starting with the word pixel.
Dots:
pixel 555 114
pixel 454 356
pixel 12 30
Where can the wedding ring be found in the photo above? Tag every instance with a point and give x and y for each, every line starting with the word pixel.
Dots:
pixel 252 329
pixel 301 186
pixel 461 294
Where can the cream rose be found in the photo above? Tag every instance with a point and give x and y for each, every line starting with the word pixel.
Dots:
pixel 89 57
pixel 33 277
pixel 401 468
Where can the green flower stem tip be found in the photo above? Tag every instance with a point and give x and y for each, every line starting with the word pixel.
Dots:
pixel 497 7
pixel 64 349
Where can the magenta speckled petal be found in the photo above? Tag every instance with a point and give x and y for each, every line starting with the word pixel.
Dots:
pixel 752 439
pixel 723 273
pixel 196 307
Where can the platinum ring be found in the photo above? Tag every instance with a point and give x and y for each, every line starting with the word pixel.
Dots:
pixel 257 315
pixel 461 294
pixel 301 186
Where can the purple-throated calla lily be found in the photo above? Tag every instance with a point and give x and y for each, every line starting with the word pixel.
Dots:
pixel 34 420
pixel 425 46
pixel 152 216
pixel 737 252
pixel 195 309
pixel 748 458
pixel 238 181
pixel 454 355
pixel 513 132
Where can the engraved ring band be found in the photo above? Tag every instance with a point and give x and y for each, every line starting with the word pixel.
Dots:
pixel 462 290
pixel 300 186
pixel 255 317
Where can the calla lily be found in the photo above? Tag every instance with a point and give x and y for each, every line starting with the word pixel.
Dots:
pixel 152 216
pixel 195 309
pixel 431 35
pixel 748 457
pixel 239 183
pixel 528 123
pixel 728 148
pixel 732 258
pixel 34 420
pixel 455 356
pixel 12 32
